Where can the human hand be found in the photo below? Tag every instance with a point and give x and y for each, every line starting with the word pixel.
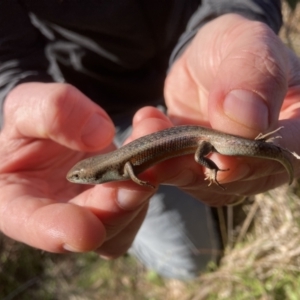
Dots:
pixel 47 129
pixel 237 77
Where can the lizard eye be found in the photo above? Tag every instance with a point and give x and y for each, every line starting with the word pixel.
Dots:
pixel 73 177
pixel 76 176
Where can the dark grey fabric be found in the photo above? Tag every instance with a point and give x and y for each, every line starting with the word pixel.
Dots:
pixel 266 11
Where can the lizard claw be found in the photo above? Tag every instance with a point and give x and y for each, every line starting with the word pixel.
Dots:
pixel 211 176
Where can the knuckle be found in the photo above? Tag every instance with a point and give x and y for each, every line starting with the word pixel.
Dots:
pixel 61 102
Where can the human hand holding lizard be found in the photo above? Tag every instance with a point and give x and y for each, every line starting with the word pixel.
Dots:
pixel 39 207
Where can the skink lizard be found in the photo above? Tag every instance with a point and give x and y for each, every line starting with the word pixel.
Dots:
pixel 132 159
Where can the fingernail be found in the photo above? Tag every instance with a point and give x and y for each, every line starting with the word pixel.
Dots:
pixel 97 126
pixel 106 257
pixel 70 248
pixel 129 200
pixel 247 108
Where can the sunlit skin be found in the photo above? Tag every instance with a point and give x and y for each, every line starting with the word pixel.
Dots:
pixel 236 76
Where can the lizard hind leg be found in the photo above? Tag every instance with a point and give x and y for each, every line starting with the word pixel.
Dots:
pixel 204 149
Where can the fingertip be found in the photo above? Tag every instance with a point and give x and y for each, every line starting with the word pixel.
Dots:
pixel 148 120
pixel 240 112
pixel 149 112
pixel 148 126
pixel 247 107
pixel 98 132
pixel 66 227
pixel 80 124
pixel 248 88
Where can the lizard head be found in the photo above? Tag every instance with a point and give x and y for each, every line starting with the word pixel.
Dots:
pixel 94 170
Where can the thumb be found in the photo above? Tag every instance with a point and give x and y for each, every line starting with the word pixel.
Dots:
pixel 58 112
pixel 251 80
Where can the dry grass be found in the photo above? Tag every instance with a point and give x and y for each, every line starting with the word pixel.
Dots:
pixel 291 29
pixel 266 261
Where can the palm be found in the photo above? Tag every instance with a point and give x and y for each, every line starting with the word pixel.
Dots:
pixel 41 169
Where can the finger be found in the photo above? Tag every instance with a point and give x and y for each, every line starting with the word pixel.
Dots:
pixel 119 206
pixel 184 97
pixel 59 112
pixel 233 75
pixel 240 189
pixel 119 244
pixel 44 224
pixel 148 120
pixel 251 81
pixel 149 112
